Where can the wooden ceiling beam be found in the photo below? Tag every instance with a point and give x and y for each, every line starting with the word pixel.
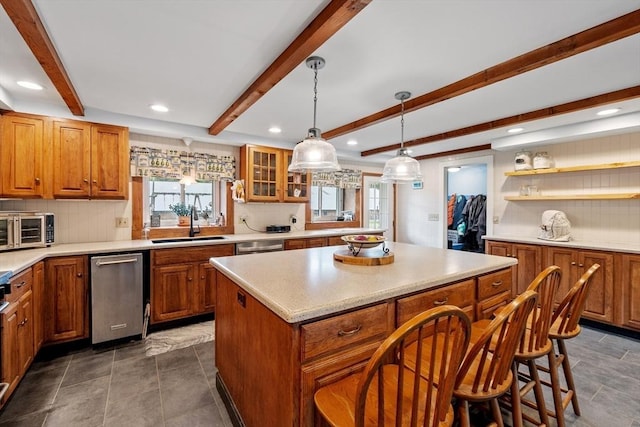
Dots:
pixel 455 152
pixel 326 24
pixel 592 38
pixel 543 113
pixel 28 23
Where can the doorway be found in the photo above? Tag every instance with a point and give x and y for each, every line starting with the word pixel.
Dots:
pixel 377 205
pixel 469 179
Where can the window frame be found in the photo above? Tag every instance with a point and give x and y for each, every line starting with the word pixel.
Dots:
pixel 310 225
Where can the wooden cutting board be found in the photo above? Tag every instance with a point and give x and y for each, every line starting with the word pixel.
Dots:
pixel 373 256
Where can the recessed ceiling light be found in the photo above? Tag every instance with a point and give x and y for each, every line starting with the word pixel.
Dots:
pixel 352 142
pixel 515 130
pixel 607 112
pixel 159 108
pixel 275 129
pixel 30 85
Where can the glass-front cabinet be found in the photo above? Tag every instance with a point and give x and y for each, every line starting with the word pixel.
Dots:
pixel 264 170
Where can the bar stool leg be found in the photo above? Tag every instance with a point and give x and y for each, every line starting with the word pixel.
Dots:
pixel 556 388
pixel 537 389
pixel 495 412
pixel 566 367
pixel 516 404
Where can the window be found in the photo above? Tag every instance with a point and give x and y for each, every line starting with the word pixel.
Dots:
pixel 206 196
pixel 332 203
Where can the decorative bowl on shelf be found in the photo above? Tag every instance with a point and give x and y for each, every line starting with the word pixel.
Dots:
pixel 356 242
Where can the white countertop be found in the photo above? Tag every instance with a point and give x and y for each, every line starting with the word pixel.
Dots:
pixel 581 244
pixel 17 260
pixel 304 284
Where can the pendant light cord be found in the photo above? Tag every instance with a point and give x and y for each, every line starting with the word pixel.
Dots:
pixel 315 94
pixel 402 124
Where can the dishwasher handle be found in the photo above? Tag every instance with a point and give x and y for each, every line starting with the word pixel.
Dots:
pixel 118 261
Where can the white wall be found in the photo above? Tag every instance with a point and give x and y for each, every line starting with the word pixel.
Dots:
pixel 604 221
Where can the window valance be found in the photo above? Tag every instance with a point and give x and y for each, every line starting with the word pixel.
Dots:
pixel 174 164
pixel 345 178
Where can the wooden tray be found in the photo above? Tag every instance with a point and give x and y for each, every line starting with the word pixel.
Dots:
pixel 365 257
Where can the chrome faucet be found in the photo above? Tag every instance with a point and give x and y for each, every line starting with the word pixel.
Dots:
pixel 194 215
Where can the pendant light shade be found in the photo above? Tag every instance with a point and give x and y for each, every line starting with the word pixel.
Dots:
pixel 314 153
pixel 402 168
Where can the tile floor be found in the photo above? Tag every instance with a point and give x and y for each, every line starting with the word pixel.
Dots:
pixel 122 387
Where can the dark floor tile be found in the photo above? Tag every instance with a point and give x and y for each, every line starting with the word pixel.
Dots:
pixel 176 359
pixel 35 419
pixel 607 408
pixel 141 372
pixel 142 409
pixel 28 398
pixel 40 365
pixel 636 423
pixel 184 389
pixel 205 416
pixel 129 350
pixel 87 367
pixel 95 390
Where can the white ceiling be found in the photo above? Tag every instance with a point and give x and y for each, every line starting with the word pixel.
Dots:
pixel 197 57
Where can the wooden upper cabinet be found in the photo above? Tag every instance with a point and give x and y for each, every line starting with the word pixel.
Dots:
pixel 264 170
pixel 296 185
pixel 21 156
pixel 71 159
pixel 109 162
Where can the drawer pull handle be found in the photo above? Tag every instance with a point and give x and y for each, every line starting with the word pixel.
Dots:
pixel 353 331
pixel 442 301
pixel 580 265
pixel 497 283
pixel 21 284
pixel 573 263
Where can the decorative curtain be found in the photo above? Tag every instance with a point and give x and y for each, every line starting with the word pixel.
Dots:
pixel 174 164
pixel 346 178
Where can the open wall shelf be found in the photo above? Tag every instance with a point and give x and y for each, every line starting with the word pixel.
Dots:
pixel 602 166
pixel 617 196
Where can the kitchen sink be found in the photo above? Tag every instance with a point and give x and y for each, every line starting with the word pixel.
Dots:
pixel 187 239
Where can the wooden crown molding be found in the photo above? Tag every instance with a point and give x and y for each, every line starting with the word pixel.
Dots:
pixel 591 38
pixel 455 152
pixel 543 113
pixel 326 24
pixel 28 23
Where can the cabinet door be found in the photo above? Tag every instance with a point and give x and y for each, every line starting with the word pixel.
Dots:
pixel 498 248
pixel 71 159
pixel 25 331
pixel 630 282
pixel 66 311
pixel 9 350
pixel 566 259
pixel 529 265
pixel 21 157
pixel 263 171
pixel 294 244
pixel 206 288
pixel 599 305
pixel 296 185
pixel 38 306
pixel 109 162
pixel 171 291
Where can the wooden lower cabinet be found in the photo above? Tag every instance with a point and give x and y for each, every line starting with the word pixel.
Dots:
pixel 17 340
pixel 494 291
pixel 38 306
pixel 629 282
pixel 462 294
pixel 183 283
pixel 529 258
pixel 315 242
pixel 573 263
pixel 66 299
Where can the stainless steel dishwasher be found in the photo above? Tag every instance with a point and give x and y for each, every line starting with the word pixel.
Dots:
pixel 259 246
pixel 116 297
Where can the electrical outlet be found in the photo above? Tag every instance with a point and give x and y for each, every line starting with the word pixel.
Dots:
pixel 433 217
pixel 496 219
pixel 122 222
pixel 243 218
pixel 293 219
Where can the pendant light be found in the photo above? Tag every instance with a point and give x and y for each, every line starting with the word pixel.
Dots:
pixel 402 168
pixel 314 153
pixel 191 178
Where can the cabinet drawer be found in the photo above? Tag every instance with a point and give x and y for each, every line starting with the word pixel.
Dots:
pixel 494 283
pixel 20 283
pixel 487 307
pixel 340 332
pixel 461 294
pixel 189 255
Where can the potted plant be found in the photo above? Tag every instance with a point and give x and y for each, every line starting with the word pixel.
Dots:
pixel 183 211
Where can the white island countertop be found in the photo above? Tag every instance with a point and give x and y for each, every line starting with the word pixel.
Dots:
pixel 305 284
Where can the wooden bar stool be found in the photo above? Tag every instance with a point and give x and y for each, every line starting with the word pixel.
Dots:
pixel 386 393
pixel 486 372
pixel 565 326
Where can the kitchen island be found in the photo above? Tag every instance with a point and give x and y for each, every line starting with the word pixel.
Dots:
pixel 289 322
